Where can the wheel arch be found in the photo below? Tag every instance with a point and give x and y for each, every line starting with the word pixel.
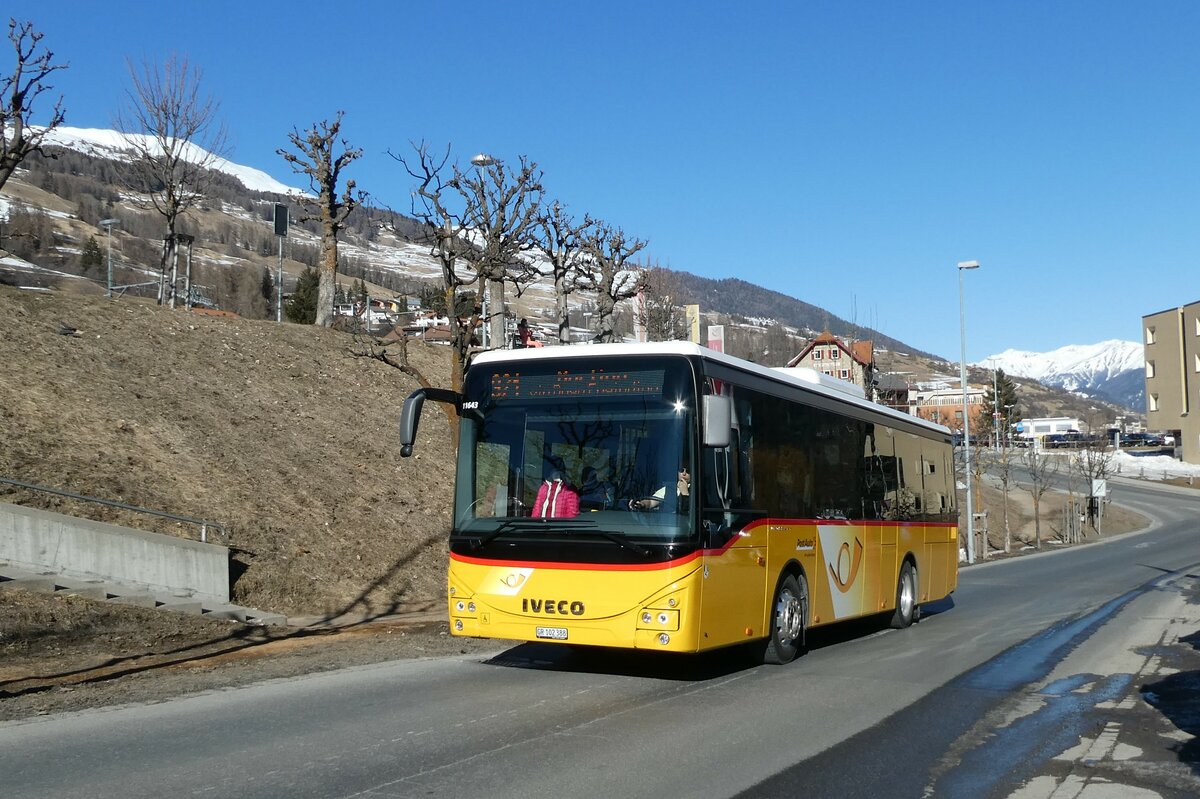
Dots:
pixel 793 567
pixel 910 558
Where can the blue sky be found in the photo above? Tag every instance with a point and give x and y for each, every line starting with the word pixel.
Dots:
pixel 848 154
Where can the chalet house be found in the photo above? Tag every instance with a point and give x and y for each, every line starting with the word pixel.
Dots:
pixel 854 363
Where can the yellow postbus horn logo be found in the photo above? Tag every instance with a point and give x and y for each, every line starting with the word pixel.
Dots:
pixel 845 563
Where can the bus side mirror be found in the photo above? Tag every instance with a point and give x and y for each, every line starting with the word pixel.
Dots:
pixel 410 415
pixel 718 420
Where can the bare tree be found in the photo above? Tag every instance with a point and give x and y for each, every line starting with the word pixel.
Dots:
pixel 1072 528
pixel 981 460
pixel 1003 463
pixel 561 241
pixel 18 91
pixel 434 206
pixel 501 210
pixel 1094 462
pixel 316 156
pixel 662 314
pixel 176 140
pixel 610 275
pixel 1041 470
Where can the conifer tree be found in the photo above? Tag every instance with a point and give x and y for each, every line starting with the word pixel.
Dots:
pixel 1001 403
pixel 91 259
pixel 301 307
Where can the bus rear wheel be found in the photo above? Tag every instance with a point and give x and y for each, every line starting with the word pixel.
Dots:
pixel 789 618
pixel 907 610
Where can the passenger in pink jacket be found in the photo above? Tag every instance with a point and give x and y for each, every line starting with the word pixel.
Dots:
pixel 556 500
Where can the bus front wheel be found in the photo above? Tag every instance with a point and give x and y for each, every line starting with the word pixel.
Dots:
pixel 907 611
pixel 789 618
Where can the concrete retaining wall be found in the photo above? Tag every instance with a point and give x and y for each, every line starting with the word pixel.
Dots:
pixel 39 540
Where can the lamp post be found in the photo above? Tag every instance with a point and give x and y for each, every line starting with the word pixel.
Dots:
pixel 962 373
pixel 483 161
pixel 107 224
pixel 995 408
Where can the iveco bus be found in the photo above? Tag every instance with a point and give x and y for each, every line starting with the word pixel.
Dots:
pixel 668 497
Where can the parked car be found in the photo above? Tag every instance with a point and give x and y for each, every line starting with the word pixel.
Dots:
pixel 1141 440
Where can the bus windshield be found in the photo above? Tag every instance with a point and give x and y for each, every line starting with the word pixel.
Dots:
pixel 577 448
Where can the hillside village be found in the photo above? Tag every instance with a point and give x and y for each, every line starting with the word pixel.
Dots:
pixel 52 237
pixel 285 433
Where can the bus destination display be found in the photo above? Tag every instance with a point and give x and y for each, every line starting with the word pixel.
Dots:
pixel 514 385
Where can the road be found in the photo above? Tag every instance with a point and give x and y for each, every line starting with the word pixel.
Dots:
pixel 866 712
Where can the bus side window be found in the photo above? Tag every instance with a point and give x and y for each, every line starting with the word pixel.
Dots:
pixel 742 493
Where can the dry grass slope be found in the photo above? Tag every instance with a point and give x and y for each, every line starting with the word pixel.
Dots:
pixel 279 432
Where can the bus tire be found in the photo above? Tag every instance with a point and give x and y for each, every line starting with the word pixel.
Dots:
pixel 789 619
pixel 906 597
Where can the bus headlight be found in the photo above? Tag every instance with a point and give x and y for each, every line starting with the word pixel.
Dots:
pixel 460 606
pixel 659 620
pixel 458 625
pixel 664 639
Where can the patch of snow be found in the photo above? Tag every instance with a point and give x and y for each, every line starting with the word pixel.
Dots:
pixel 116 146
pixel 1155 467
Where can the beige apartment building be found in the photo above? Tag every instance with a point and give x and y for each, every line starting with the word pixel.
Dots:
pixel 1172 347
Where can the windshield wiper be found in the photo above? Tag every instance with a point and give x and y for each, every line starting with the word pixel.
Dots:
pixel 477 541
pixel 570 526
pixel 623 540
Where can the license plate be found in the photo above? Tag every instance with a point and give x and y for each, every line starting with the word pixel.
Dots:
pixel 553 633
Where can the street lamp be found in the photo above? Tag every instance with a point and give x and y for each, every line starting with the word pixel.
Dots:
pixel 482 161
pixel 107 224
pixel 962 373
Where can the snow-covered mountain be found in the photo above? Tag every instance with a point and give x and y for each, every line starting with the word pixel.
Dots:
pixel 1111 370
pixel 114 145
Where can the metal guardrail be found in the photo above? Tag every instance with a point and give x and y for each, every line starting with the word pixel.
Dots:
pixel 203 523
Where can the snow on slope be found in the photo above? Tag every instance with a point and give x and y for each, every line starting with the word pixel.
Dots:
pixel 1110 370
pixel 114 145
pixel 1108 358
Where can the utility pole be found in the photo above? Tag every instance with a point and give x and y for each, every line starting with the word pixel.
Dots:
pixel 281 227
pixel 107 224
pixel 995 409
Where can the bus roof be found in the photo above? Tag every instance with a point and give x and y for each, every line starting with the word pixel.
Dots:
pixel 806 379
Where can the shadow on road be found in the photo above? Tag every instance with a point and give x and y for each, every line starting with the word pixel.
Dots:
pixel 1177 697
pixel 682 667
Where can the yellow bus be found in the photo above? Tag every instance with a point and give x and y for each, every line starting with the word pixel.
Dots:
pixel 672 498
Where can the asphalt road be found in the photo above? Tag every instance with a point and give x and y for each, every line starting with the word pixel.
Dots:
pixel 867 711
